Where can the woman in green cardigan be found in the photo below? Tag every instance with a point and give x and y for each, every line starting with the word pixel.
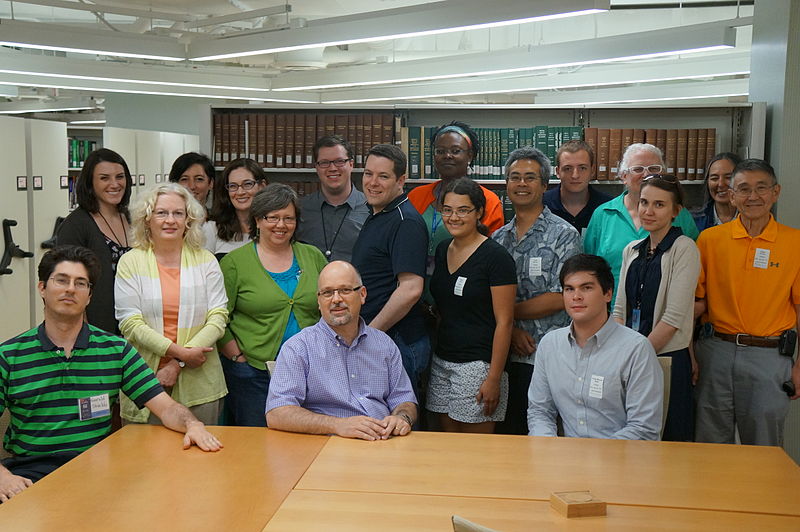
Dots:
pixel 271 286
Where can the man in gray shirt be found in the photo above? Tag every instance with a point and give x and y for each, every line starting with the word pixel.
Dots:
pixel 601 377
pixel 333 216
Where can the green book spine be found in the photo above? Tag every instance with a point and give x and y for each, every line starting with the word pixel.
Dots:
pixel 414 138
pixel 505 144
pixel 576 133
pixel 540 140
pixel 427 148
pixel 551 143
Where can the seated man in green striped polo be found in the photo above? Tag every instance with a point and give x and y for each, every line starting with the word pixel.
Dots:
pixel 60 379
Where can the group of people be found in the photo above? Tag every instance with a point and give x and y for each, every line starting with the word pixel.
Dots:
pixel 352 312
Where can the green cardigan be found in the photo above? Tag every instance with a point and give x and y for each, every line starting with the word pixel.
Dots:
pixel 258 309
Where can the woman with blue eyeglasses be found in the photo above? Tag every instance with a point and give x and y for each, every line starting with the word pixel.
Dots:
pixel 271 285
pixel 228 226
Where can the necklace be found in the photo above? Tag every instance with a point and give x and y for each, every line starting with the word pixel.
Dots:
pixel 118 239
pixel 328 249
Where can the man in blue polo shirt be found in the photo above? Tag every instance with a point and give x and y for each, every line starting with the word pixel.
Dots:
pixel 390 253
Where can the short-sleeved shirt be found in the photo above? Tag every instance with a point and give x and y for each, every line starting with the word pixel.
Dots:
pixel 464 300
pixel 751 284
pixel 392 241
pixel 318 371
pixel 40 387
pixel 552 200
pixel 539 256
pixel 332 228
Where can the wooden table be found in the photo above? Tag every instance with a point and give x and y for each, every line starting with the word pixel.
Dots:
pixel 140 479
pixel 659 474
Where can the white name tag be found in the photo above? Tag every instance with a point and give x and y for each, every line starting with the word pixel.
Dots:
pixel 458 289
pixel 761 260
pixel 94 407
pixel 596 387
pixel 535 267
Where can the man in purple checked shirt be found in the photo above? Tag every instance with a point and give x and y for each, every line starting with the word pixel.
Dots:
pixel 341 376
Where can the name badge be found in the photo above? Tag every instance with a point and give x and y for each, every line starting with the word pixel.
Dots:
pixel 458 289
pixel 535 267
pixel 636 319
pixel 596 387
pixel 761 260
pixel 94 407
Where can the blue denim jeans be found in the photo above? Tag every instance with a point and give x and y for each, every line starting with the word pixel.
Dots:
pixel 246 401
pixel 416 357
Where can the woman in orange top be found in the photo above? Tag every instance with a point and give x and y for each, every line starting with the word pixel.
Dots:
pixel 455 147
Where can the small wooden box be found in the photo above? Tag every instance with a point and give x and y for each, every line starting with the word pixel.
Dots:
pixel 577 504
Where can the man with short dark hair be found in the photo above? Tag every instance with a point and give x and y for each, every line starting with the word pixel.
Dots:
pixel 574 199
pixel 540 242
pixel 601 377
pixel 341 376
pixel 60 379
pixel 390 253
pixel 333 216
pixel 749 291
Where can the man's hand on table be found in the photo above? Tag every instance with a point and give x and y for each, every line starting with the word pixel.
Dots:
pixel 11 484
pixel 197 434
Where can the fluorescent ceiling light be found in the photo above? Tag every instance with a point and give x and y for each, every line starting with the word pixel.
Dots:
pixel 63 38
pixel 86 122
pixel 45 110
pixel 634 46
pixel 419 20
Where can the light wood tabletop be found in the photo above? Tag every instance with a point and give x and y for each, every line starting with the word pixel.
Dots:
pixel 664 474
pixel 311 510
pixel 141 479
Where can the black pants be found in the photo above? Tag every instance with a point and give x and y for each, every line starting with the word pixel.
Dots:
pixel 519 380
pixel 37 467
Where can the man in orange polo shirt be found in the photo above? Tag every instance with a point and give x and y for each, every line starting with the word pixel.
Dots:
pixel 749 290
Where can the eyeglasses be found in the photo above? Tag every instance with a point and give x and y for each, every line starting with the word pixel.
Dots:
pixel 343 292
pixel 246 185
pixel 338 163
pixel 652 169
pixel 63 281
pixel 163 215
pixel 523 179
pixel 288 220
pixel 455 152
pixel 761 190
pixel 461 212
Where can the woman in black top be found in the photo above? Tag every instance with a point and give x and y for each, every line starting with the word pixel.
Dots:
pixel 472 274
pixel 100 223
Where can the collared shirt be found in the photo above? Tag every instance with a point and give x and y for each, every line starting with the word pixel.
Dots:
pixel 318 371
pixel 552 199
pixel 40 387
pixel 539 256
pixel 332 228
pixel 611 229
pixel 610 388
pixel 392 241
pixel 751 284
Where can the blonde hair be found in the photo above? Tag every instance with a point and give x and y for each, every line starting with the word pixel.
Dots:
pixel 142 212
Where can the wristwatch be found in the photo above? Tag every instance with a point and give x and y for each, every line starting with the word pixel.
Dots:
pixel 181 363
pixel 236 357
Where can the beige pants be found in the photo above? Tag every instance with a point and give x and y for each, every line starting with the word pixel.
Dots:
pixel 208 413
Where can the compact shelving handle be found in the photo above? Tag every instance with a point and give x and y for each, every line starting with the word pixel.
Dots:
pixel 11 249
pixel 50 243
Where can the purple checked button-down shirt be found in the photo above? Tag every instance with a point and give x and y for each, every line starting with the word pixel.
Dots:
pixel 319 372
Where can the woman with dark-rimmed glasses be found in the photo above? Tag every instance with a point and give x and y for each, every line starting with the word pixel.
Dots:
pixel 656 294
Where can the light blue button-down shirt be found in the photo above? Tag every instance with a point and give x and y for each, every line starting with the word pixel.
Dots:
pixel 612 387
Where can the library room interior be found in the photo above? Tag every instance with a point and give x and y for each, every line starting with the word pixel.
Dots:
pixel 582 205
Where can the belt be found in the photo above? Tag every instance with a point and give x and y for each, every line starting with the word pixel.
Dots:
pixel 746 339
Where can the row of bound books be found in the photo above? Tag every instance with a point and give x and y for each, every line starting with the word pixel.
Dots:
pixel 286 140
pixel 304 187
pixel 685 150
pixel 78 150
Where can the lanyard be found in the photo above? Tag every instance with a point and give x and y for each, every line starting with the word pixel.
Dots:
pixel 328 248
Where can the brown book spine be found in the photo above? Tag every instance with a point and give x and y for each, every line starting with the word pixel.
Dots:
pixel 603 139
pixel 340 125
pixel 614 151
pixel 682 149
pixel 218 139
pixel 330 125
pixel 288 142
pixel 270 140
pixel 261 127
pixel 299 140
pixel 243 135
pixel 627 138
pixel 387 128
pixel 320 131
pixel 702 141
pixel 691 155
pixel 671 155
pixel 351 128
pixel 367 135
pixel 234 135
pixel 661 141
pixel 377 128
pixel 590 137
pixel 651 136
pixel 358 144
pixel 310 131
pixel 252 140
pixel 638 136
pixel 711 143
pixel 280 140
